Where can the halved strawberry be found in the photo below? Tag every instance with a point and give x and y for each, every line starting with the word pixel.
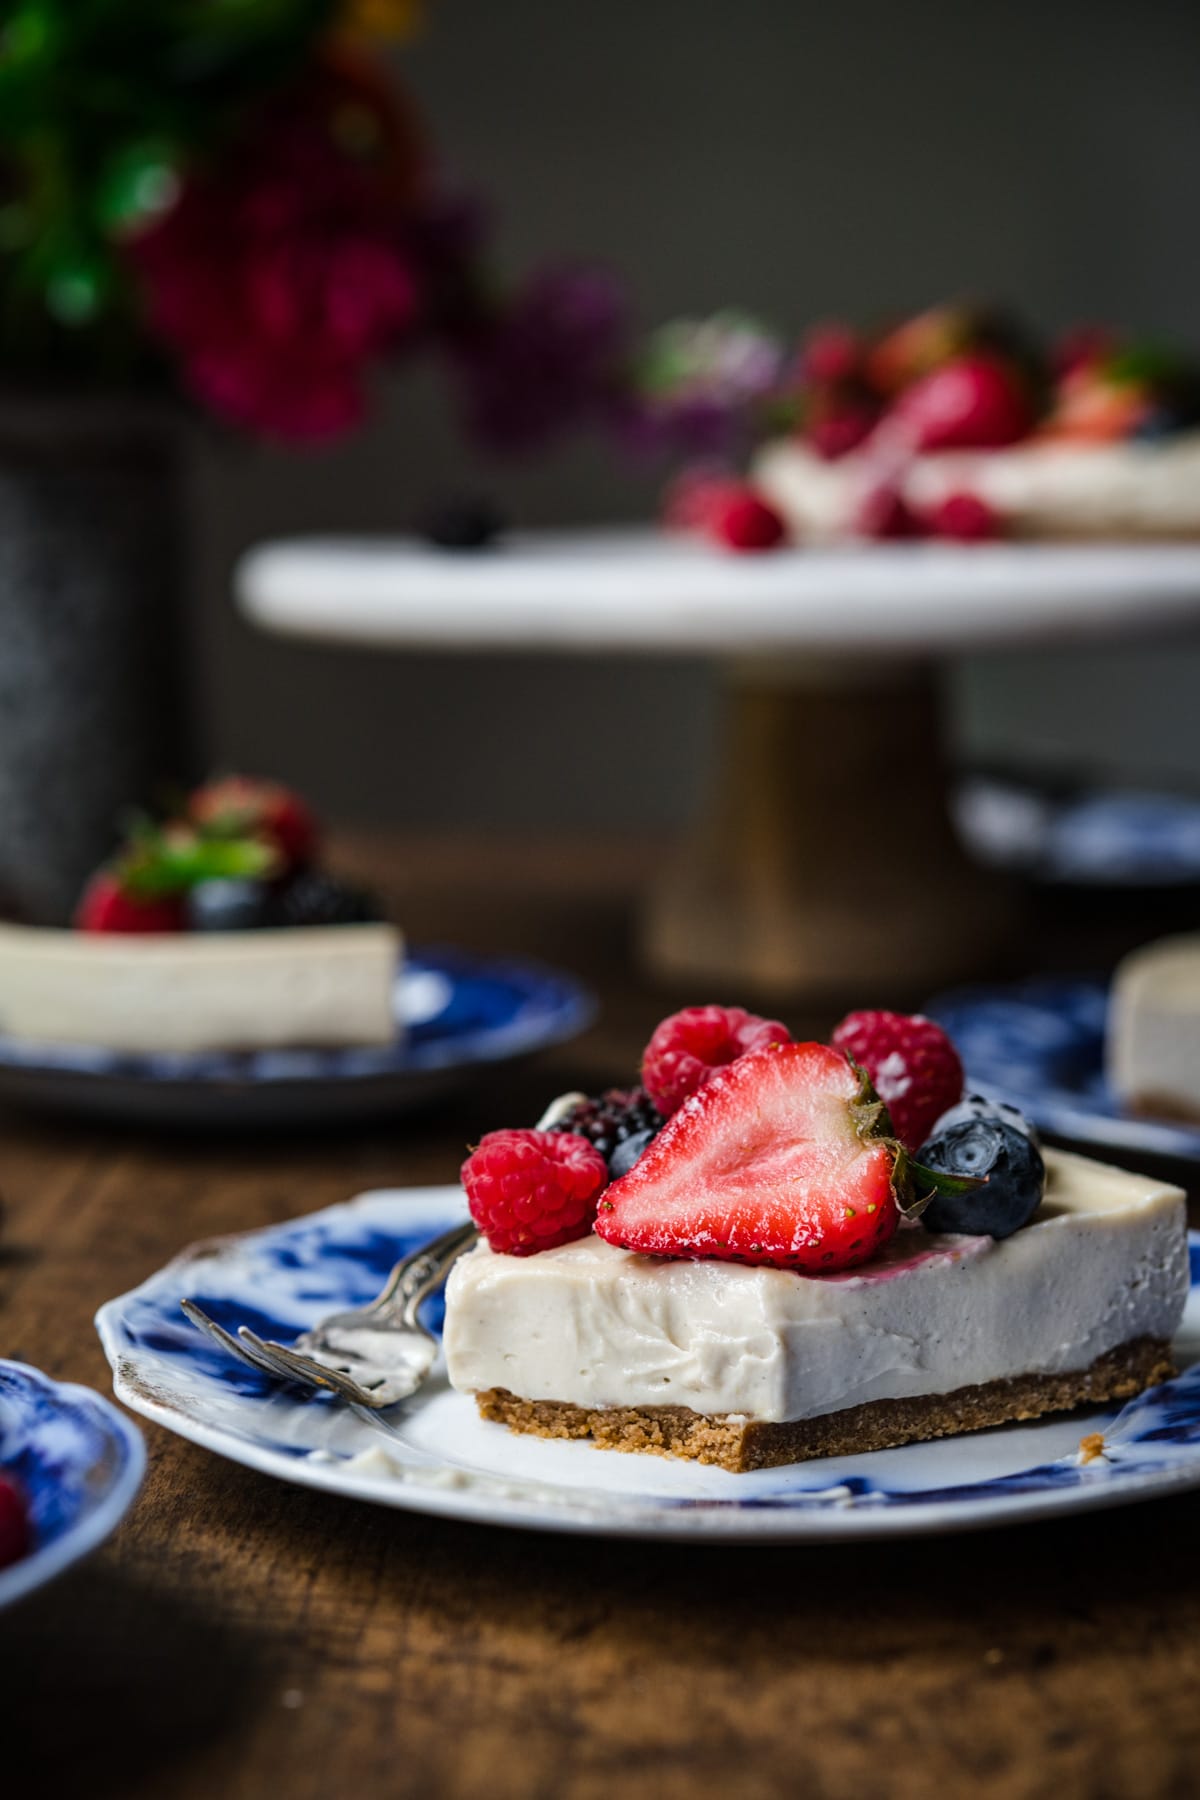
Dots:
pixel 779 1158
pixel 107 905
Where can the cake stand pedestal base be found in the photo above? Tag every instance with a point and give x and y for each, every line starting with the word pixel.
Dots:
pixel 826 862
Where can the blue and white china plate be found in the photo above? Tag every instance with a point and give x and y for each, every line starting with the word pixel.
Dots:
pixel 79 1463
pixel 1095 837
pixel 1040 1045
pixel 434 1454
pixel 455 1013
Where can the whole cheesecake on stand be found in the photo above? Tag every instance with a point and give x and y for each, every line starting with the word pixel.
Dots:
pixel 830 596
pixel 959 424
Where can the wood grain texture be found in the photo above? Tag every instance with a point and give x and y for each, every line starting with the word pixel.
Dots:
pixel 242 1638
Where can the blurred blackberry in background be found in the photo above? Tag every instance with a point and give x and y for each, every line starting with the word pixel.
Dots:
pixel 465 523
pixel 313 898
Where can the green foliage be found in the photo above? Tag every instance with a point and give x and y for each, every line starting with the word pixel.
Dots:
pixel 102 104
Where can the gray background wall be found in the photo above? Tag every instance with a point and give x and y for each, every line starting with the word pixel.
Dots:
pixel 800 160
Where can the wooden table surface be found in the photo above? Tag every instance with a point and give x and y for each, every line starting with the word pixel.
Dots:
pixel 242 1638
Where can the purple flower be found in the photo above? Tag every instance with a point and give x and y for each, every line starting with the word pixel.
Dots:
pixel 547 362
pixel 698 383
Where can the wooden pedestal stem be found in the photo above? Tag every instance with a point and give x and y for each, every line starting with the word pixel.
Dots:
pixel 825 862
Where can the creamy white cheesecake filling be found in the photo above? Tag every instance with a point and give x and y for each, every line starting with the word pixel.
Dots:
pixel 1104 1261
pixel 234 990
pixel 1039 487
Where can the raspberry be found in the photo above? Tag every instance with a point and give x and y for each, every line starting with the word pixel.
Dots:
pixel 691 501
pixel 830 353
pixel 613 1116
pixel 14 1523
pixel 105 906
pixel 242 805
pixel 884 513
pixel 840 431
pixel 742 520
pixel 531 1190
pixel 914 1067
pixel 964 517
pixel 687 1047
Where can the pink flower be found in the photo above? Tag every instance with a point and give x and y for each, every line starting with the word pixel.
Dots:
pixel 280 276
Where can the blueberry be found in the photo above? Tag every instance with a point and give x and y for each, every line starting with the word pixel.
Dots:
pixel 1008 1161
pixel 462 524
pixel 978 1106
pixel 227 904
pixel 628 1151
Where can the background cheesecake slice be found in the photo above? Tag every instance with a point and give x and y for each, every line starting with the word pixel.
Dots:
pixel 1153 1049
pixel 235 990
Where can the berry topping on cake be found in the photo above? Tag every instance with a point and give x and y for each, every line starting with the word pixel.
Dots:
pixel 978 1106
pixel 145 887
pixel 689 1046
pixel 837 429
pixel 884 514
pixel 775 1159
pixel 227 904
pixel 531 1190
pixel 742 520
pixel 14 1523
pixel 629 1151
pixel 611 1119
pixel 831 354
pixel 966 518
pixel 970 1141
pixel 313 898
pixel 691 500
pixel 106 904
pixel 915 1068
pixel 239 806
pixel 976 402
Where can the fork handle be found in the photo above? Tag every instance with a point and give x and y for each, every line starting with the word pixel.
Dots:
pixel 417 1276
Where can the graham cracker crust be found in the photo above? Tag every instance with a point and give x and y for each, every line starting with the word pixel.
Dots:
pixel 738 1444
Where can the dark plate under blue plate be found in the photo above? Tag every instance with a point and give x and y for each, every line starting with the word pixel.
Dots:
pixel 79 1463
pixel 1040 1045
pixel 457 1013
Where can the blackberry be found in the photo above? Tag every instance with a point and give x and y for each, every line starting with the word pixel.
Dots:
pixel 466 523
pixel 608 1119
pixel 312 898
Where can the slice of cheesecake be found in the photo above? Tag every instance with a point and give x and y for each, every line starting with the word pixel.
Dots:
pixel 1153 1049
pixel 747 1367
pixel 181 992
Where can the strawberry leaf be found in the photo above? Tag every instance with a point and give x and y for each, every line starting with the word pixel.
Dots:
pixel 166 863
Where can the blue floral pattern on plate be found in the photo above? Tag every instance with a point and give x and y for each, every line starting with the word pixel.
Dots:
pixel 1040 1045
pixel 79 1463
pixel 435 1454
pixel 454 1013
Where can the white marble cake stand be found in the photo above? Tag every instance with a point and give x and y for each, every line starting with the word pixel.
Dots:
pixel 824 859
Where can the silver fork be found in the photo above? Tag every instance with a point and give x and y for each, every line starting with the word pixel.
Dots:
pixel 372 1356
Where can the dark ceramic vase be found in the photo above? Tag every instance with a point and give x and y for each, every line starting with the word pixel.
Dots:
pixel 91 572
